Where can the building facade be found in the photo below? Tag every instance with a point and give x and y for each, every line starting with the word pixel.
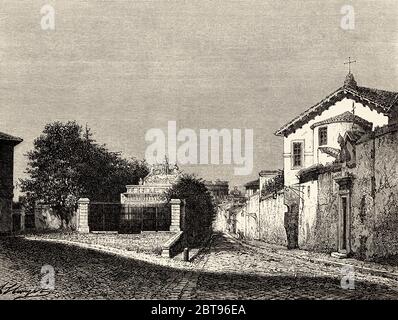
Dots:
pixel 323 148
pixel 8 222
pixel 338 192
pixel 307 138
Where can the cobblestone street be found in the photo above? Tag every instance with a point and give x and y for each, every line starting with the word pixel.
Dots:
pixel 81 273
pixel 227 269
pixel 237 271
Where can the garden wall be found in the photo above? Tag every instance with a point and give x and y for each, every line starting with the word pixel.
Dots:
pixel 47 219
pixel 375 195
pixel 251 214
pixel 272 217
pixel 318 217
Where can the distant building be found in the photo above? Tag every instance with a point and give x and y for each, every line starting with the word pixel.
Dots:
pixel 252 187
pixel 8 223
pixel 219 189
pixel 145 206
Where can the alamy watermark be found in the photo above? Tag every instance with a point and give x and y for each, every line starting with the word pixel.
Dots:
pixel 203 148
pixel 47 281
pixel 347 21
pixel 347 281
pixel 47 21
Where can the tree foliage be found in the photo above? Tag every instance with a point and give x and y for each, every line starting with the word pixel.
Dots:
pixel 274 185
pixel 66 164
pixel 199 207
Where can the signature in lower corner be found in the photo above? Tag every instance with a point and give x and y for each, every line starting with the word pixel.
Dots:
pixel 18 292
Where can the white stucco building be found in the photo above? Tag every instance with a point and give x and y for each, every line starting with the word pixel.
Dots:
pixel 313 138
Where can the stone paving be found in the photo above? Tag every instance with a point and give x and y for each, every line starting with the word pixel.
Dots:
pixel 227 269
pixel 324 258
pixel 237 271
pixel 81 273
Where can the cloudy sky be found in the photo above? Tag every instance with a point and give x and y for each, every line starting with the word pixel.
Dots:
pixel 124 67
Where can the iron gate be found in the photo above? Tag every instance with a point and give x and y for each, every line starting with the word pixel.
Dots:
pixel 104 216
pixel 125 218
pixel 144 218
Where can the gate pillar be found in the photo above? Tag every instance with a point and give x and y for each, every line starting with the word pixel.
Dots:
pixel 175 215
pixel 82 215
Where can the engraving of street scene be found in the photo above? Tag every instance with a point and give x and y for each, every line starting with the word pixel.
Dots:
pixel 198 150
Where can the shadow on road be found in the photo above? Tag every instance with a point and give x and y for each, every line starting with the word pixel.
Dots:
pixel 89 274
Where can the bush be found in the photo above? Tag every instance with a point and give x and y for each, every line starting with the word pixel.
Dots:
pixel 199 208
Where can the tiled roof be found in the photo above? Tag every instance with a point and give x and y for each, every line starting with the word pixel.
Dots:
pixel 265 173
pixel 255 184
pixel 311 173
pixel 385 102
pixel 311 168
pixel 384 98
pixel 344 117
pixel 330 151
pixel 7 137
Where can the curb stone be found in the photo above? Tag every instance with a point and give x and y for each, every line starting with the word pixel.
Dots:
pixel 189 282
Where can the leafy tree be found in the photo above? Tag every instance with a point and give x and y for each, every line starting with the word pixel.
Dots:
pixel 199 207
pixel 274 185
pixel 66 164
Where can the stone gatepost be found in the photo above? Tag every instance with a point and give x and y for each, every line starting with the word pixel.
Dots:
pixel 175 215
pixel 82 215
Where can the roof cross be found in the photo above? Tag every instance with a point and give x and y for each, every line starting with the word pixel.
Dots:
pixel 349 63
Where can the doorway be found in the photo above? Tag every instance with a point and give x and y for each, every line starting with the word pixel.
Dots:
pixel 344 224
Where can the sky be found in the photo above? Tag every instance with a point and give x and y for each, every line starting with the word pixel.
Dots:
pixel 124 67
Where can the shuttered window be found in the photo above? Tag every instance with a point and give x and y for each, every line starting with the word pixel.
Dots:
pixel 323 136
pixel 297 154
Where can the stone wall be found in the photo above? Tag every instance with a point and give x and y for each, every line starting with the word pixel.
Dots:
pixel 221 220
pixel 240 221
pixel 230 217
pixel 47 219
pixel 260 218
pixel 375 196
pixel 307 213
pixel 251 214
pixel 272 217
pixel 374 201
pixel 318 220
